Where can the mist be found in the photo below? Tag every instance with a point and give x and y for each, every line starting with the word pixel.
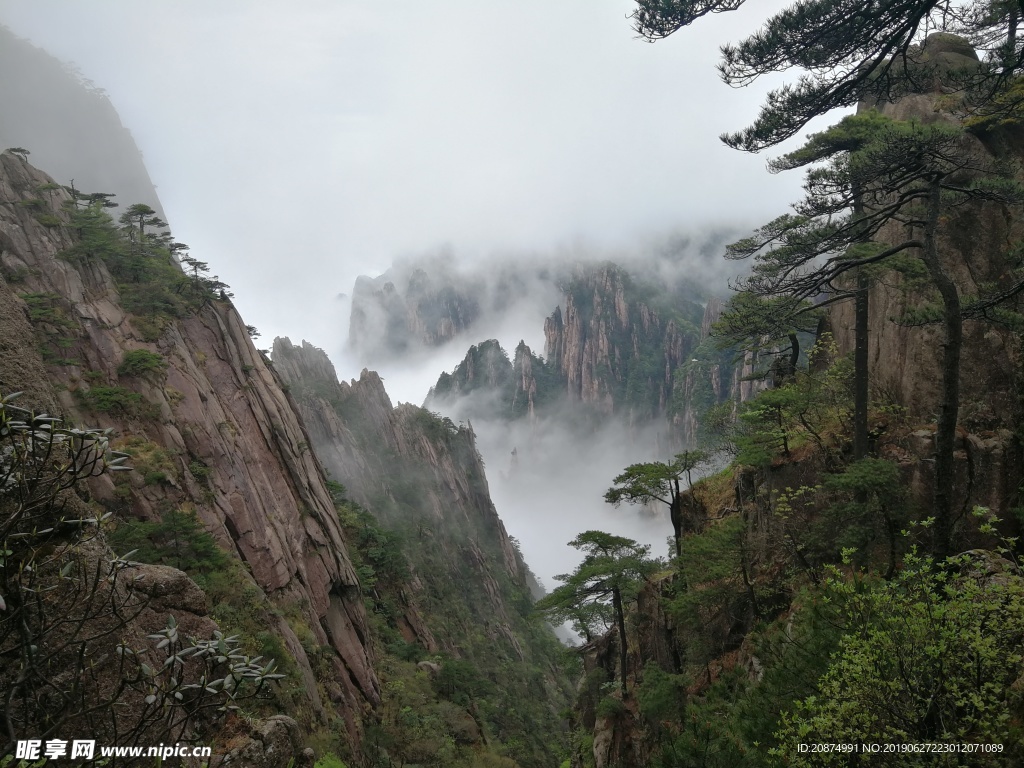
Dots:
pixel 551 489
pixel 298 146
pixel 547 475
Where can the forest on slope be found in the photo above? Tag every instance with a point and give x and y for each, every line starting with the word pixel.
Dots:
pixel 848 591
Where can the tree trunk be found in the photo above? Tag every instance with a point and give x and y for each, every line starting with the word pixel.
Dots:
pixel 860 352
pixel 860 370
pixel 949 406
pixel 675 511
pixel 620 620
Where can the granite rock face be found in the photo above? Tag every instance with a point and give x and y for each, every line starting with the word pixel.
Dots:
pixel 636 351
pixel 236 451
pixel 975 241
pixel 401 312
pixel 375 449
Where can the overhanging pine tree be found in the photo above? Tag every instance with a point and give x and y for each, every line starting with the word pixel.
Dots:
pixel 896 177
pixel 848 51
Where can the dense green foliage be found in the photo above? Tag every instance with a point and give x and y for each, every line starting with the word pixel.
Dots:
pixel 932 656
pixel 144 260
pixel 116 400
pixel 814 406
pixel 54 328
pixel 73 655
pixel 141 363
pixel 803 613
pixel 177 539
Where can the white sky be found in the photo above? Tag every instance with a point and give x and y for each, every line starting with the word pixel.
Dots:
pixel 298 144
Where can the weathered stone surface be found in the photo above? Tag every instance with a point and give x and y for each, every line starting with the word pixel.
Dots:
pixel 974 240
pixel 451 488
pixel 168 588
pixel 220 407
pixel 272 743
pixel 973 243
pixel 409 308
pixel 729 383
pixel 601 331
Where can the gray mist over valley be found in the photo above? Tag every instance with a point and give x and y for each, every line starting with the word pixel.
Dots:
pixel 298 149
pixel 547 474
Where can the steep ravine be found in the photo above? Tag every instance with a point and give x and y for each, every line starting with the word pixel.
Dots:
pixel 616 345
pixel 217 407
pixel 422 474
pixel 214 432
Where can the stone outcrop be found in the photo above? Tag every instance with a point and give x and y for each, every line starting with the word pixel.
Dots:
pixel 486 384
pixel 430 299
pixel 615 354
pixel 404 311
pixel 376 450
pixel 272 743
pixel 974 244
pixel 615 346
pixel 525 395
pixel 234 448
pixel 712 377
pixel 639 352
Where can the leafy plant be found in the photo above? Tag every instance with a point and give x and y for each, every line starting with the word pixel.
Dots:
pixel 141 363
pixel 64 604
pixel 930 656
pixel 117 400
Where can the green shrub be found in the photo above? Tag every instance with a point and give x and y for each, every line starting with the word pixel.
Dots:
pixel 111 400
pixel 141 363
pixel 156 477
pixel 199 471
pixel 610 706
pixel 178 539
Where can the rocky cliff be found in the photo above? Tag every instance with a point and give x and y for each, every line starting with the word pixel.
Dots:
pixel 390 318
pixel 469 591
pixel 637 350
pixel 976 243
pixel 211 431
pixel 486 384
pixel 617 345
pixel 427 301
pixel 712 379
